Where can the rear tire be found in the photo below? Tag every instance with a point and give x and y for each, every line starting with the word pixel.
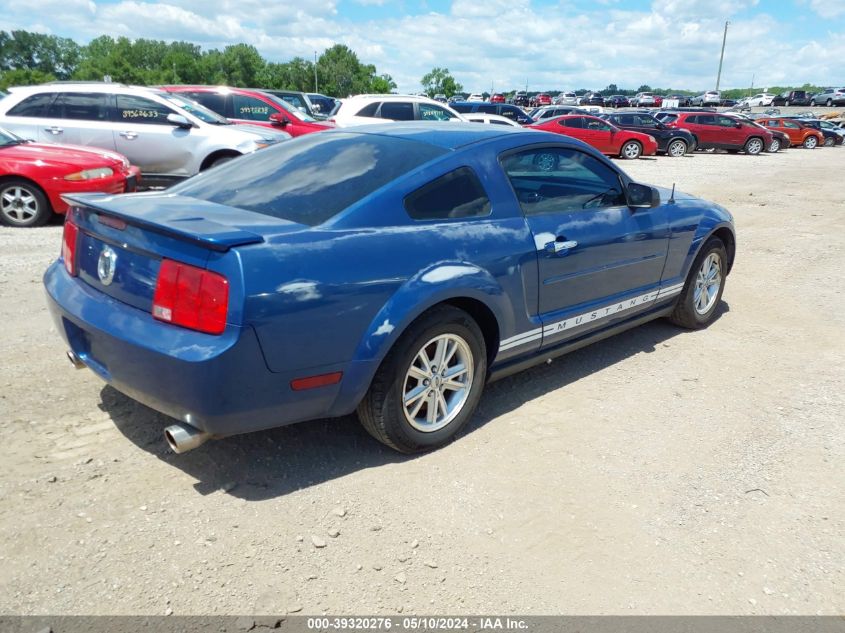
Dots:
pixel 23 204
pixel 412 406
pixel 696 307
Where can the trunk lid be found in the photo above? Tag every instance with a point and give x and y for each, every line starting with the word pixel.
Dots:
pixel 123 239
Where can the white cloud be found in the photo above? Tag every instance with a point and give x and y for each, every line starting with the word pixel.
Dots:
pixel 503 43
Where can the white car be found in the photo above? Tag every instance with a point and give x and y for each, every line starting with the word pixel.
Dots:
pixel 566 98
pixel 490 119
pixel 476 97
pixel 368 109
pixel 643 100
pixel 762 99
pixel 709 98
pixel 167 136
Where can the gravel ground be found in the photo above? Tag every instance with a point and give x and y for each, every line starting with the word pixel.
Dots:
pixel 658 472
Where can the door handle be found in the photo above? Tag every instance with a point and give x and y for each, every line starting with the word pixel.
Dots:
pixel 129 135
pixel 54 130
pixel 560 248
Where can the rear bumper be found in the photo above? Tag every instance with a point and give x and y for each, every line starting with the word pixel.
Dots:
pixel 220 384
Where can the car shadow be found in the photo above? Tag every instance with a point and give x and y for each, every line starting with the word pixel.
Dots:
pixel 274 463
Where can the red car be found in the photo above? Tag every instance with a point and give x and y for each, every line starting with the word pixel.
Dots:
pixel 33 177
pixel 497 98
pixel 256 107
pixel 540 100
pixel 720 131
pixel 605 137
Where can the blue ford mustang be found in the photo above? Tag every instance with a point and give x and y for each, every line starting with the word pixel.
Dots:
pixel 391 270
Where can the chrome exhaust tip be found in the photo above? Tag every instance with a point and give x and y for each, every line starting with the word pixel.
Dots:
pixel 75 360
pixel 183 438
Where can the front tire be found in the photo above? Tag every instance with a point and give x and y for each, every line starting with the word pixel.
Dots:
pixel 676 148
pixel 774 146
pixel 829 142
pixel 23 204
pixel 811 142
pixel 429 384
pixel 631 150
pixel 696 307
pixel 753 146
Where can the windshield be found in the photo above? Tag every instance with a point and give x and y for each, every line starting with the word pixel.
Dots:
pixel 7 138
pixel 299 114
pixel 196 110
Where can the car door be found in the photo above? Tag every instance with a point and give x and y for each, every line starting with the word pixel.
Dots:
pixel 600 135
pixel 594 251
pixel 793 130
pixel 707 130
pixel 147 139
pixel 733 135
pixel 82 118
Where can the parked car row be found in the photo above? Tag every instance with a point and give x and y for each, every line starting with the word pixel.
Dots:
pixel 173 132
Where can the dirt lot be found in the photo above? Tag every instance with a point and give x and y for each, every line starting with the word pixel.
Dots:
pixel 661 471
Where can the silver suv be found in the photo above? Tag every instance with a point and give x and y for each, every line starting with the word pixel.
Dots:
pixel 167 136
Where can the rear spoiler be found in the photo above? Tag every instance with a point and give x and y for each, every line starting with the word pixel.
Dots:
pixel 207 233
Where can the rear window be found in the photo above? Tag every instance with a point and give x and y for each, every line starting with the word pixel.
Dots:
pixel 34 106
pixel 312 178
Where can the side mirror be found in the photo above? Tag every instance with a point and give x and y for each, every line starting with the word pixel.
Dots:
pixel 642 196
pixel 179 121
pixel 277 118
pixel 738 125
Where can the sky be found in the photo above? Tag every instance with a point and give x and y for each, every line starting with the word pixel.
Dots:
pixel 500 44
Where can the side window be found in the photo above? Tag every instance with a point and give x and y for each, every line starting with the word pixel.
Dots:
pixel 133 109
pixel 397 111
pixel 250 108
pixel 509 112
pixel 558 180
pixel 791 125
pixel 625 119
pixel 576 122
pixel 369 110
pixel 84 106
pixel 458 194
pixel 485 108
pixel 644 121
pixel 706 119
pixel 430 112
pixel 725 121
pixel 296 101
pixel 34 106
pixel 691 119
pixel 597 125
pixel 211 100
pixel 462 108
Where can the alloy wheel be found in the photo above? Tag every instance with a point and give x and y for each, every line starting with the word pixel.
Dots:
pixel 438 382
pixel 707 283
pixel 677 148
pixel 18 204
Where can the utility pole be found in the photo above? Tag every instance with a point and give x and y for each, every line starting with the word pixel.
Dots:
pixel 315 72
pixel 722 56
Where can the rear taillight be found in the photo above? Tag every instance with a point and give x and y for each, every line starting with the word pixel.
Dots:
pixel 71 233
pixel 192 297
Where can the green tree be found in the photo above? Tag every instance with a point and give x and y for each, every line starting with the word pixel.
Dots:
pixel 439 81
pixel 23 77
pixel 242 65
pixel 341 73
pixel 48 54
pixel 383 84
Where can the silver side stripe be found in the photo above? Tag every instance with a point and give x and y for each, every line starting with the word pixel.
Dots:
pixel 589 317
